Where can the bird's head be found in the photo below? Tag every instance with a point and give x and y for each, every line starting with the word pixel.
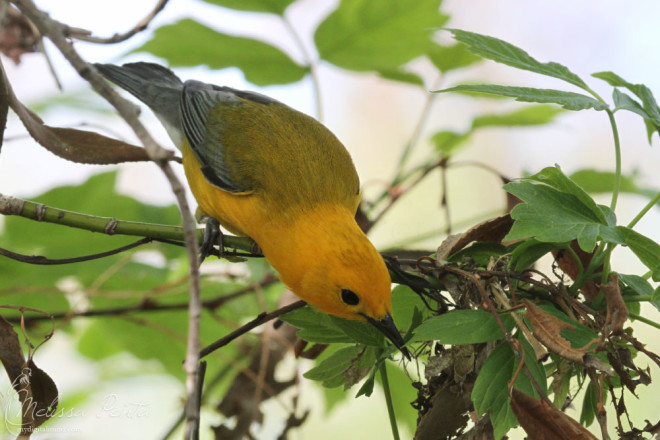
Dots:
pixel 348 278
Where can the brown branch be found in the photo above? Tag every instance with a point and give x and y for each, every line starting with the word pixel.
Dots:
pixel 393 199
pixel 147 305
pixel 199 386
pixel 256 322
pixel 56 32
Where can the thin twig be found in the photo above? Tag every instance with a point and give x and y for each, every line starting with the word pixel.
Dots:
pixel 117 38
pixel 311 63
pixel 256 322
pixel 424 172
pixel 39 260
pixel 148 305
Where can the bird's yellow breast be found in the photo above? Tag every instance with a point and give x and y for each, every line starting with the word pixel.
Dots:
pixel 240 213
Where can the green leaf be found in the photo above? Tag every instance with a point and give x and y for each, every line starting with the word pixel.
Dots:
pixel 525 255
pixel 589 406
pixel 447 58
pixel 559 210
pixel 315 326
pixel 552 216
pixel 656 298
pixel 261 63
pixel 638 284
pixel 650 129
pixel 568 100
pixel 490 393
pixel 506 53
pixel 331 370
pixel 365 35
pixel 649 108
pixel 404 303
pixel 554 177
pixel 361 332
pixel 625 102
pixel 599 182
pixel 368 387
pixel 447 142
pixel 647 250
pixel 402 76
pixel 531 115
pixel 273 6
pixel 151 336
pixel 326 329
pixel 462 327
pixel 640 90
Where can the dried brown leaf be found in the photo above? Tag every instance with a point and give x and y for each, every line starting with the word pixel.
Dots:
pixel 617 312
pixel 542 421
pixel 547 329
pixel 11 354
pixel 90 147
pixel 36 390
pixel 355 374
pixel 623 374
pixel 492 230
pixel 78 145
pixel 43 395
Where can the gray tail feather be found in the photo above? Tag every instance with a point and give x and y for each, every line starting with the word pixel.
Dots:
pixel 142 79
pixel 157 86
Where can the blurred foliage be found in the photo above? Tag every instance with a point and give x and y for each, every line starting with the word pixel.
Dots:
pixel 140 296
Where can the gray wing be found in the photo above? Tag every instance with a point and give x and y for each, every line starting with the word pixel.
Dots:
pixel 197 100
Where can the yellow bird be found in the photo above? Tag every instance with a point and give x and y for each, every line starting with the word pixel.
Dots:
pixel 269 172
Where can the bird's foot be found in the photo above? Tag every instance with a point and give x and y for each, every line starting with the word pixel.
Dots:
pixel 212 236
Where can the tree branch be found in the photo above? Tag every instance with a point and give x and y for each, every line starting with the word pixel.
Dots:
pixel 106 225
pixel 56 32
pixel 256 322
pixel 148 305
pixel 78 34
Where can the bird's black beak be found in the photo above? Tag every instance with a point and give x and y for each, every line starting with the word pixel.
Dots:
pixel 386 326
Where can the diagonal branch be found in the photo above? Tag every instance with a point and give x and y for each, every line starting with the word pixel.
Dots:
pixel 256 322
pixel 117 38
pixel 56 32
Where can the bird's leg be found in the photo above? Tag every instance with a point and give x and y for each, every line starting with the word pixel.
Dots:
pixel 212 236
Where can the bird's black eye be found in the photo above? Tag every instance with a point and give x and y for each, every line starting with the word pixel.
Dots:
pixel 349 297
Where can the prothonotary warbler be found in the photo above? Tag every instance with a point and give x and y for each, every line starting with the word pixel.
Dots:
pixel 269 172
